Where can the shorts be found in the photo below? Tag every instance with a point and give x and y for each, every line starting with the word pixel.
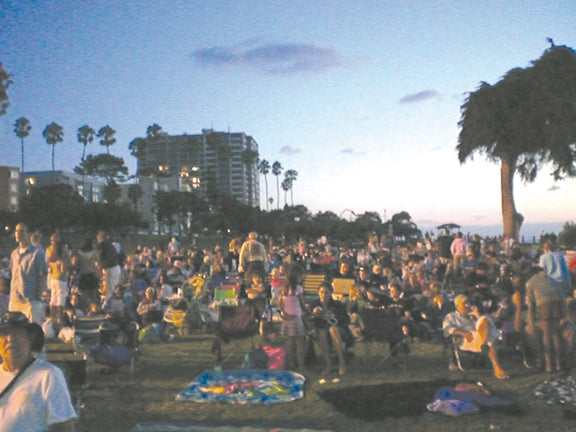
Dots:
pixel 550 311
pixel 58 292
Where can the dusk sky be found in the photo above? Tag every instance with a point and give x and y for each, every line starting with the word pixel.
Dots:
pixel 362 98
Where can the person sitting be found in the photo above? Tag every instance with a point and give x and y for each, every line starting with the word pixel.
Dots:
pixel 149 309
pixel 330 320
pixel 476 331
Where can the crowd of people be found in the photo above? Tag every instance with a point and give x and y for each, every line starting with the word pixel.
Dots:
pixel 459 287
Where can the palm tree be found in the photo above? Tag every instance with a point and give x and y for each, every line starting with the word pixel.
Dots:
pixel 291 175
pixel 264 168
pixel 277 170
pixel 53 134
pixel 85 137
pixel 106 134
pixel 22 129
pixel 5 81
pixel 524 121
pixel 286 186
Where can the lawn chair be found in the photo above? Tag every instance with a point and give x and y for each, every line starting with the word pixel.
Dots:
pixel 384 325
pixel 235 323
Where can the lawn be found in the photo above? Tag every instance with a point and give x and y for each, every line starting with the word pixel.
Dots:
pixel 118 401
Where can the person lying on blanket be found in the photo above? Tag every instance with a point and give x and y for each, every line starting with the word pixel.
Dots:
pixel 476 329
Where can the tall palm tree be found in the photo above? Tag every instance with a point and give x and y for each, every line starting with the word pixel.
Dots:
pixel 264 168
pixel 106 134
pixel 277 170
pixel 22 129
pixel 5 81
pixel 291 175
pixel 53 134
pixel 85 137
pixel 286 186
pixel 524 121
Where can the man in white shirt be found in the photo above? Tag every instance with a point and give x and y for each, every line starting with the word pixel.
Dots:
pixel 34 395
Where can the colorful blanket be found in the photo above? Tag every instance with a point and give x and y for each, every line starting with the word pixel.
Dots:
pixel 244 386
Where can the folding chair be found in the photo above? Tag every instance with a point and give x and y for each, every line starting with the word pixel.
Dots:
pixel 87 329
pixel 234 323
pixel 384 325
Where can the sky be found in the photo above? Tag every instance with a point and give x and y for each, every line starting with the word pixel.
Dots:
pixel 361 98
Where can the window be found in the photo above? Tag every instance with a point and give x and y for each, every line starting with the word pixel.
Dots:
pixel 14 174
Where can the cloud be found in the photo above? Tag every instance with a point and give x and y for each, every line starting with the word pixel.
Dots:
pixel 351 151
pixel 290 151
pixel 272 58
pixel 419 97
pixel 553 188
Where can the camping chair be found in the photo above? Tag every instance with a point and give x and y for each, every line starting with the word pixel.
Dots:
pixel 509 342
pixel 342 288
pixel 225 295
pixel 87 329
pixel 384 325
pixel 234 323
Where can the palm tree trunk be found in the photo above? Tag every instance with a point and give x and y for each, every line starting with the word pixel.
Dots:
pixel 266 183
pixel 53 147
pixel 277 193
pixel 22 140
pixel 509 214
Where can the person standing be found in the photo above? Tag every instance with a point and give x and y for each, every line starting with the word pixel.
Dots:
pixel 28 282
pixel 555 266
pixel 253 257
pixel 57 279
pixel 458 249
pixel 34 395
pixel 109 260
pixel 547 305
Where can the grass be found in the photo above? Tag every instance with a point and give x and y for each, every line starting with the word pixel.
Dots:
pixel 118 401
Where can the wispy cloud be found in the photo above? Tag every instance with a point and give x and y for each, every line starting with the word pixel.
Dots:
pixel 351 151
pixel 271 58
pixel 419 97
pixel 553 188
pixel 290 151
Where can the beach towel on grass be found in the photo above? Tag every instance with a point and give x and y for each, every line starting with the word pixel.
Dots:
pixel 244 386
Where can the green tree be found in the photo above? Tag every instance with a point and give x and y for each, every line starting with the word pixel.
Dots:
pixel 85 137
pixel 53 134
pixel 106 135
pixel 524 121
pixel 51 207
pixel 106 166
pixel 286 186
pixel 22 129
pixel 264 169
pixel 291 175
pixel 277 170
pixel 5 82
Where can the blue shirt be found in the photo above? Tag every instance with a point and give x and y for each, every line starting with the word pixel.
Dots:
pixel 28 268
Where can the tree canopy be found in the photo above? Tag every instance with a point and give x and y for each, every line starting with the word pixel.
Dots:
pixel 525 121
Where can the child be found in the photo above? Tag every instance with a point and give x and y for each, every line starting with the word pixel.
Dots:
pixel 292 307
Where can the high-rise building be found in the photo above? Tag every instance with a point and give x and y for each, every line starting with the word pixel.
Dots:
pixel 212 162
pixel 10 188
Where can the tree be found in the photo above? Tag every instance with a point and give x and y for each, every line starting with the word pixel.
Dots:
pixel 291 175
pixel 5 82
pixel 22 129
pixel 85 137
pixel 286 186
pixel 264 168
pixel 51 207
pixel 108 167
pixel 524 121
pixel 53 134
pixel 277 170
pixel 106 134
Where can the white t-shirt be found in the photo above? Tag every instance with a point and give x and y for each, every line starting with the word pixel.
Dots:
pixel 39 398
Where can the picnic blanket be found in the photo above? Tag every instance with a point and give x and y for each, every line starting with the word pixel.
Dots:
pixel 560 391
pixel 171 427
pixel 244 386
